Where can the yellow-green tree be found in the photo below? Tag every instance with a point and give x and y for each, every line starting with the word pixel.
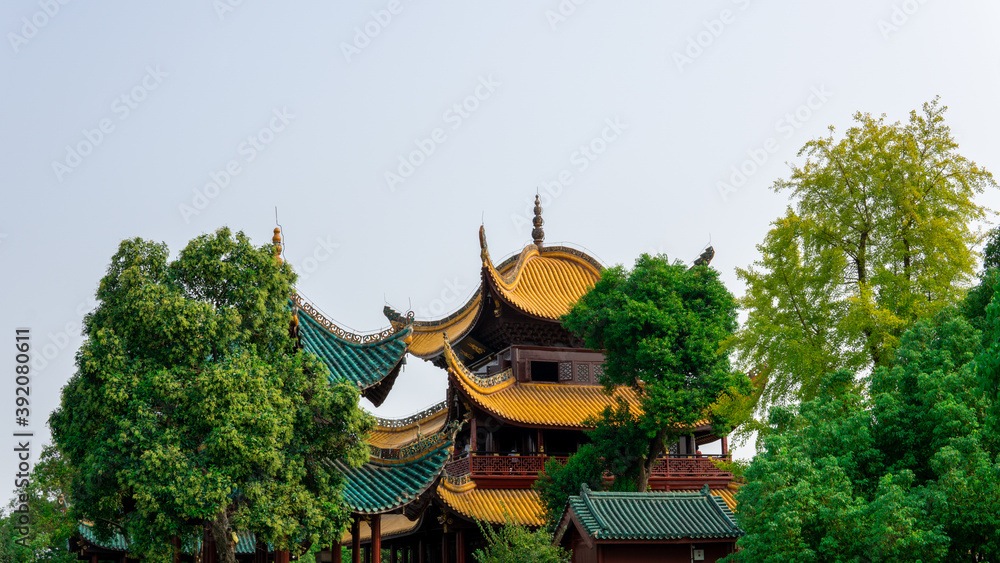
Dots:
pixel 878 236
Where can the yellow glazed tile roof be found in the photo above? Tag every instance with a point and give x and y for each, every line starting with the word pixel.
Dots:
pixel 544 284
pixel 428 336
pixel 543 404
pixel 725 494
pixel 397 437
pixel 392 525
pixel 493 505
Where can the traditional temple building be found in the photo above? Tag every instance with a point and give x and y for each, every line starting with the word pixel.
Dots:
pixel 520 389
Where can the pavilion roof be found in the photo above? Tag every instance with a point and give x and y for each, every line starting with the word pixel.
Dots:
pixel 393 478
pixel 534 404
pixel 541 282
pixel 370 361
pixel 523 506
pixel 650 515
pixel 397 433
pixel 246 543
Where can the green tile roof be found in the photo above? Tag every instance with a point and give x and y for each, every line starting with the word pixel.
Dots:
pixel 362 361
pixel 381 485
pixel 653 516
pixel 246 544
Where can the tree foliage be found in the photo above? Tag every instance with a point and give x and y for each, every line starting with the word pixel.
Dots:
pixel 515 543
pixel 191 406
pixel 878 237
pixel 903 471
pixel 661 325
pixel 45 539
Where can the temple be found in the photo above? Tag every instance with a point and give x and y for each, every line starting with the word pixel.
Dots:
pixel 520 391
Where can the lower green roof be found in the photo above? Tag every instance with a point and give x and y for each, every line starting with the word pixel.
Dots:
pixel 246 544
pixel 399 476
pixel 652 516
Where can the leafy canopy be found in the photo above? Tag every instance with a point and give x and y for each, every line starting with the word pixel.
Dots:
pixel 515 543
pixel 878 237
pixel 192 406
pixel 660 325
pixel 903 471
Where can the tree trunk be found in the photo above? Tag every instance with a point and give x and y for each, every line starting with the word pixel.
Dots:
pixel 223 538
pixel 656 448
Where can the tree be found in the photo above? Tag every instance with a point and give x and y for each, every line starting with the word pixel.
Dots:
pixel 904 470
pixel 515 543
pixel 661 325
pixel 44 495
pixel 191 406
pixel 878 239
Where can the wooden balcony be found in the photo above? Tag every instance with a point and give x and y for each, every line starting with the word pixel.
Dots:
pixel 520 470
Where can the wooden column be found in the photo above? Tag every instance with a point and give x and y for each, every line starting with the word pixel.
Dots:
pixel 472 435
pixel 282 556
pixel 336 555
pixel 444 548
pixel 208 552
pixel 93 559
pixel 420 551
pixel 725 446
pixel 392 554
pixel 356 541
pixel 376 525
pixel 460 546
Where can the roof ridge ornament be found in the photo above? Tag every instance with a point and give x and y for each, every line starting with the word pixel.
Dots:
pixel 484 252
pixel 537 233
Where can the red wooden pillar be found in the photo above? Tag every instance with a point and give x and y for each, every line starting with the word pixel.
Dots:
pixel 282 556
pixel 93 559
pixel 335 553
pixel 444 548
pixel 725 446
pixel 472 436
pixel 208 552
pixel 376 525
pixel 356 541
pixel 460 546
pixel 392 554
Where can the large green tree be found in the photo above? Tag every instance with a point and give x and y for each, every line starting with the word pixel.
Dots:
pixel 903 470
pixel 661 325
pixel 191 405
pixel 878 237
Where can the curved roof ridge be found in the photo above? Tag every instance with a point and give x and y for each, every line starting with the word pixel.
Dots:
pixel 408 421
pixel 363 339
pixel 485 385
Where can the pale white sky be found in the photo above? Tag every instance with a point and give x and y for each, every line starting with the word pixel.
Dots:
pixel 168 120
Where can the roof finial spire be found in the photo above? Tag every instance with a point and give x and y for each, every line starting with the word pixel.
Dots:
pixel 276 241
pixel 537 233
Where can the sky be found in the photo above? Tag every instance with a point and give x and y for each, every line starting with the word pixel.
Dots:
pixel 385 132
